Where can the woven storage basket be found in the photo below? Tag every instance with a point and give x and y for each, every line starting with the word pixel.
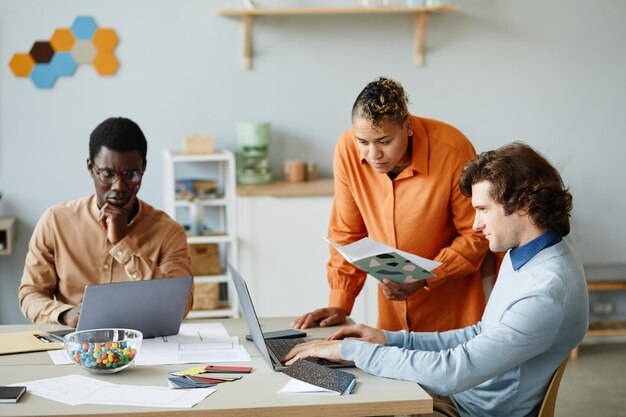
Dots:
pixel 206 296
pixel 205 259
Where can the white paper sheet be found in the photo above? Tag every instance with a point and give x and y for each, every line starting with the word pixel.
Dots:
pixel 367 247
pixel 195 343
pixel 79 389
pixel 60 357
pixel 295 386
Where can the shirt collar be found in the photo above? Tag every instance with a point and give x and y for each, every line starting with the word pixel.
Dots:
pixel 419 158
pixel 522 254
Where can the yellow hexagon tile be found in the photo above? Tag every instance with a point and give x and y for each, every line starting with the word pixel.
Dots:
pixel 84 51
pixel 62 40
pixel 22 65
pixel 105 39
pixel 105 63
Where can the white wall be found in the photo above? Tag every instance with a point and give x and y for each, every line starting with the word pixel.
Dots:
pixel 284 271
pixel 550 73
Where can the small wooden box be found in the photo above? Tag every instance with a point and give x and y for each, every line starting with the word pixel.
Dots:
pixel 205 259
pixel 206 296
pixel 195 144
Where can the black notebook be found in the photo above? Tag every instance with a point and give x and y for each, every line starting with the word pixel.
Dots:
pixel 11 394
pixel 322 376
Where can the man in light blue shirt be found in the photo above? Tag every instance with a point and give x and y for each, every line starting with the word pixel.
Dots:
pixel 536 314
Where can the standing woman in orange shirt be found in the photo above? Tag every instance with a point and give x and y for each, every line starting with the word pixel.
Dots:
pixel 397 181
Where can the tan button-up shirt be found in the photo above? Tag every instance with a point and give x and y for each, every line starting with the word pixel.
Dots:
pixel 69 250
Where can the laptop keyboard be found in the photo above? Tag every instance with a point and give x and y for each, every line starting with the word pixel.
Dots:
pixel 281 347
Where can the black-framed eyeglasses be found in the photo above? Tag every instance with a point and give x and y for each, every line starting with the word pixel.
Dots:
pixel 110 176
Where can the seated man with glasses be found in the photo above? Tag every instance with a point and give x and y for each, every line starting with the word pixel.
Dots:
pixel 107 237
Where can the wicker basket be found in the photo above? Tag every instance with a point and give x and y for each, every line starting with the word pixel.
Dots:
pixel 205 259
pixel 206 296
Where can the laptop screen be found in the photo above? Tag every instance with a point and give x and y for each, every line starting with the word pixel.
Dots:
pixel 271 356
pixel 250 315
pixel 155 307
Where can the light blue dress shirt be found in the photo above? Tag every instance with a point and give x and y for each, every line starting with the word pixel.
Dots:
pixel 523 254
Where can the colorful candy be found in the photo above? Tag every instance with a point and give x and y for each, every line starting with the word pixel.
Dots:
pixel 103 355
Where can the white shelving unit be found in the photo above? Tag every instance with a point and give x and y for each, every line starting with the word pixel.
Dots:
pixel 217 215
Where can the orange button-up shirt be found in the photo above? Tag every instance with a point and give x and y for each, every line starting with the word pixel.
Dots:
pixel 69 250
pixel 421 211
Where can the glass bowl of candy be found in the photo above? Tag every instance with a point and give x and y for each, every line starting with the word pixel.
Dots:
pixel 103 351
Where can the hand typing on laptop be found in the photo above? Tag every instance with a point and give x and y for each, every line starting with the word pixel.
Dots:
pixel 331 348
pixel 70 317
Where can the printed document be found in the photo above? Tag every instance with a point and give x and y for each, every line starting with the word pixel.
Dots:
pixel 195 343
pixel 384 262
pixel 79 389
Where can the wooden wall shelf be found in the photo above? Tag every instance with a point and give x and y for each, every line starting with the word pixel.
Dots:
pixel 313 188
pixel 420 22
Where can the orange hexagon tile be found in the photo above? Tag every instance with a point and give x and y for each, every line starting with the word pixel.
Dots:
pixel 62 40
pixel 22 65
pixel 105 39
pixel 105 63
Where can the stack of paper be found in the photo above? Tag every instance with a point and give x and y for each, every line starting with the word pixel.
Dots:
pixel 311 378
pixel 195 343
pixel 206 376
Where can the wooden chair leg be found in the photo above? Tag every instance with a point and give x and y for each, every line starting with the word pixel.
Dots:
pixel 574 354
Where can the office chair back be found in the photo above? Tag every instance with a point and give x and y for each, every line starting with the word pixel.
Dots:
pixel 549 400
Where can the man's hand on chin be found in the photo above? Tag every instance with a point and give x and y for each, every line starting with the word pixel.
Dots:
pixel 114 219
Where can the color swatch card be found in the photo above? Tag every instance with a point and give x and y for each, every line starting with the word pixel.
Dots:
pixel 322 376
pixel 227 369
pixel 203 376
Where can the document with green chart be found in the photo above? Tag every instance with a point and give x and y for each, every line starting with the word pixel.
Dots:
pixel 384 262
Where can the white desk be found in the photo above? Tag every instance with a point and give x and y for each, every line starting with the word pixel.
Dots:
pixel 255 394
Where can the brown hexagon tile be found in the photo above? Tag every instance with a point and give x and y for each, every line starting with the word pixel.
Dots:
pixel 105 39
pixel 42 52
pixel 62 40
pixel 84 51
pixel 106 63
pixel 22 65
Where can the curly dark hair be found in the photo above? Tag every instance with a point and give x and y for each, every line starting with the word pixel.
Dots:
pixel 382 99
pixel 118 134
pixel 522 179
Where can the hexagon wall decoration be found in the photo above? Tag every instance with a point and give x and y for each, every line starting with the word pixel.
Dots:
pixel 82 43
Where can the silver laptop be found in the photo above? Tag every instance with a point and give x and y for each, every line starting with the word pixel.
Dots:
pixel 271 349
pixel 155 307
